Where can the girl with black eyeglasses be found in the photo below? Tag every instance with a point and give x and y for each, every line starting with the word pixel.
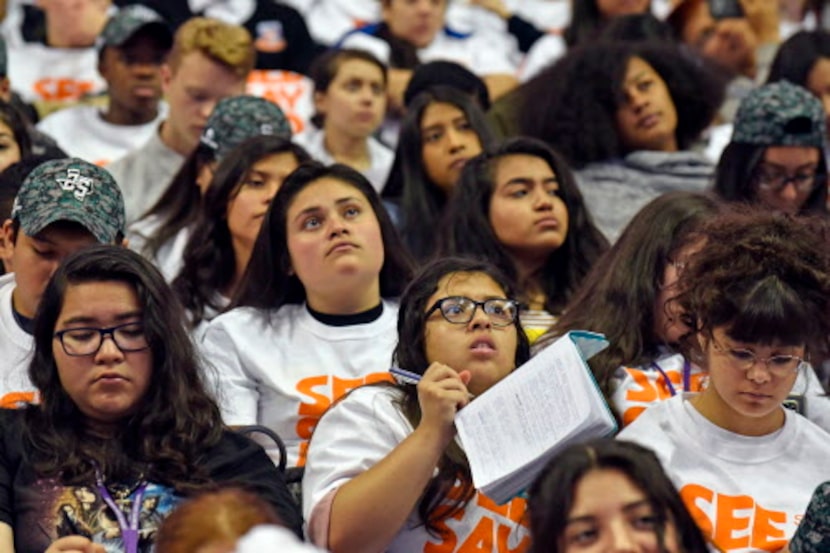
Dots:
pixel 776 155
pixel 125 428
pixel 384 472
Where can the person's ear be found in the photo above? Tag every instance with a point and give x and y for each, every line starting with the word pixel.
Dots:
pixel 7 245
pixel 320 102
pixel 5 90
pixel 166 77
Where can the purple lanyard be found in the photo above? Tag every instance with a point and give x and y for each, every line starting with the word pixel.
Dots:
pixel 687 369
pixel 129 532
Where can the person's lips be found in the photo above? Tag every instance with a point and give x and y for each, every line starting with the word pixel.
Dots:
pixel 547 223
pixel 483 346
pixel 342 247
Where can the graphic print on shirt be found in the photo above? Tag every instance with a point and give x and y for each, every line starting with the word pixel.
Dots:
pixel 318 393
pixel 737 522
pixel 499 528
pixel 52 510
pixel 640 387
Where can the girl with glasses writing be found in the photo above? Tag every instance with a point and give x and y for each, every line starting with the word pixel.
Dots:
pixel 384 472
pixel 125 428
pixel 756 296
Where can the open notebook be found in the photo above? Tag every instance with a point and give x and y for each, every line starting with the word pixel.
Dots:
pixel 511 431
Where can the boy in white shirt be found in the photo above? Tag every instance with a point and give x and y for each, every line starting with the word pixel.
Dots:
pixel 63 206
pixel 132 49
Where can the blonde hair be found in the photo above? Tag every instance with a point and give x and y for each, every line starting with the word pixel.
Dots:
pixel 229 45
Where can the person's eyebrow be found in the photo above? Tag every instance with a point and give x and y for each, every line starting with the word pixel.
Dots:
pixel 86 319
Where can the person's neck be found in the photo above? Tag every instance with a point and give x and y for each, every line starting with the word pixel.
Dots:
pixel 529 275
pixel 350 150
pixel 709 404
pixel 346 302
pixel 100 429
pixel 174 142
pixel 59 35
pixel 118 115
pixel 18 306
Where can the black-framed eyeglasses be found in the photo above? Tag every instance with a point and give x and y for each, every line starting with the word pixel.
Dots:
pixel 773 180
pixel 744 359
pixel 83 341
pixel 461 310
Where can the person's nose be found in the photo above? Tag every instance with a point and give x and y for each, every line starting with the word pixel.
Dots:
pixel 109 352
pixel 759 372
pixel 337 226
pixel 480 319
pixel 622 540
pixel 542 200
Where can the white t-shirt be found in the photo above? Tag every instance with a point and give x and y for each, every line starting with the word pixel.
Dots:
pixel 358 433
pixel 747 493
pixel 81 131
pixel 40 73
pixel 475 51
pixel 636 388
pixel 380 156
pixel 283 370
pixel 16 347
pixel 292 92
pixel 144 174
pixel 169 257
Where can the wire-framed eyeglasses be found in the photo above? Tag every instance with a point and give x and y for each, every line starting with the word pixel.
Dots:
pixel 461 310
pixel 744 359
pixel 83 341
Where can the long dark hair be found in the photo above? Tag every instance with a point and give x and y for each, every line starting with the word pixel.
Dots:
pixel 797 55
pixel 175 422
pixel 470 232
pixel 410 353
pixel 551 496
pixel 209 260
pixel 619 294
pixel 269 282
pixel 422 201
pixel 572 104
pixel 178 206
pixel 735 176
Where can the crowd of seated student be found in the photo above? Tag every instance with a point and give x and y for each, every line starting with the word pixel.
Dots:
pixel 471 179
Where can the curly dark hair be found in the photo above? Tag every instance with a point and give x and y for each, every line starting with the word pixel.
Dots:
pixel 551 496
pixel 470 233
pixel 761 276
pixel 410 353
pixel 209 259
pixel 269 282
pixel 422 201
pixel 619 295
pixel 175 422
pixel 572 104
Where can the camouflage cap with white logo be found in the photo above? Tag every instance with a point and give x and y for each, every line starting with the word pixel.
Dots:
pixel 780 114
pixel 238 118
pixel 70 190
pixel 127 21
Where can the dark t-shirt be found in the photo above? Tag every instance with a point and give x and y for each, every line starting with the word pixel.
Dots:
pixel 40 510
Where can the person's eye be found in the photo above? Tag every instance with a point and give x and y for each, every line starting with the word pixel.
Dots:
pixel 432 136
pixel 646 522
pixel 132 331
pixel 351 212
pixel 518 192
pixel 554 191
pixel 254 182
pixel 82 334
pixel 742 355
pixel 198 96
pixel 452 308
pixel 464 126
pixel 44 253
pixel 378 89
pixel 643 86
pixel 582 537
pixel 782 360
pixel 352 86
pixel 311 223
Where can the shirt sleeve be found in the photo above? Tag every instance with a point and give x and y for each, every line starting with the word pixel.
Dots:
pixel 349 439
pixel 238 461
pixel 235 388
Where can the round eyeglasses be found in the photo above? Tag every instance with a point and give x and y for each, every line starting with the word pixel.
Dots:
pixel 461 310
pixel 744 359
pixel 83 341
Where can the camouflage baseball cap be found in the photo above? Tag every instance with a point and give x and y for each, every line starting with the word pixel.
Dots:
pixel 780 114
pixel 128 20
pixel 812 536
pixel 70 189
pixel 238 118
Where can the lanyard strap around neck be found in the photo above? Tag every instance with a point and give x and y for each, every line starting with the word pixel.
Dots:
pixel 129 530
